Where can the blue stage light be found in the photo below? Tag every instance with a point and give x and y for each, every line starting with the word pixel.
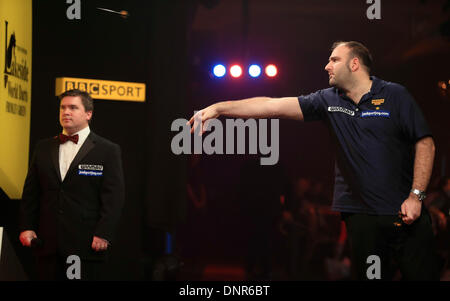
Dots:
pixel 219 70
pixel 254 70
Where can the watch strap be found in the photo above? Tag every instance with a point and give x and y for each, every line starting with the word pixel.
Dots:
pixel 420 194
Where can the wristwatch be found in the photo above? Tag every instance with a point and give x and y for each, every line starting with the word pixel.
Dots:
pixel 420 194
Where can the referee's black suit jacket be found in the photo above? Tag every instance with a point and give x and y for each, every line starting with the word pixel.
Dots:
pixel 67 214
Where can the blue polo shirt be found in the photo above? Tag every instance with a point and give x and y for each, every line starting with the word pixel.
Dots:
pixel 374 142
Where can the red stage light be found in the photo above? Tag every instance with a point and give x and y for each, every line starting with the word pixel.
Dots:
pixel 236 71
pixel 271 70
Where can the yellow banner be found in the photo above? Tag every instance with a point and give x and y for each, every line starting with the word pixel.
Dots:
pixel 15 93
pixel 102 89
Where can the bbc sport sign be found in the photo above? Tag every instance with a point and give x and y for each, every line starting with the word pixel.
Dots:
pixel 102 89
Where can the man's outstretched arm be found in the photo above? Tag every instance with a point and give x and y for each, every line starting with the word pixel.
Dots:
pixel 256 107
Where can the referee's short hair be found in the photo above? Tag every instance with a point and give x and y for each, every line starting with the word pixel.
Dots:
pixel 86 99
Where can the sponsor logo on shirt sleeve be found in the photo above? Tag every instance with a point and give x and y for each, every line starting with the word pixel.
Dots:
pixel 342 110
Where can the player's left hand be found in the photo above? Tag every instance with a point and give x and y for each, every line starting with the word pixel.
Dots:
pixel 411 209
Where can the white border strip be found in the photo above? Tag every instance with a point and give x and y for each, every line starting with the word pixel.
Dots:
pixel 1 240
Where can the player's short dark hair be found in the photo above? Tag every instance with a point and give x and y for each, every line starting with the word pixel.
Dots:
pixel 359 50
pixel 86 99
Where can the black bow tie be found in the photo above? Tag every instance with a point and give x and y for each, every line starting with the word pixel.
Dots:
pixel 64 138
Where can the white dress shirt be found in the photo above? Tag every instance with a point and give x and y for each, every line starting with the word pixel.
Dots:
pixel 69 150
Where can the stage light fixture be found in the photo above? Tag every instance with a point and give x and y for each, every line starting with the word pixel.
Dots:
pixel 254 70
pixel 219 70
pixel 236 71
pixel 271 70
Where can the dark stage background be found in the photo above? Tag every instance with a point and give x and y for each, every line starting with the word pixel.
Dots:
pixel 171 46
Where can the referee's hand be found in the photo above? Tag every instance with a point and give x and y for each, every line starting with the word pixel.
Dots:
pixel 99 244
pixel 25 237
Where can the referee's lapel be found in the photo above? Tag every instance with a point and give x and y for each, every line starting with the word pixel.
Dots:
pixel 87 146
pixel 54 151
